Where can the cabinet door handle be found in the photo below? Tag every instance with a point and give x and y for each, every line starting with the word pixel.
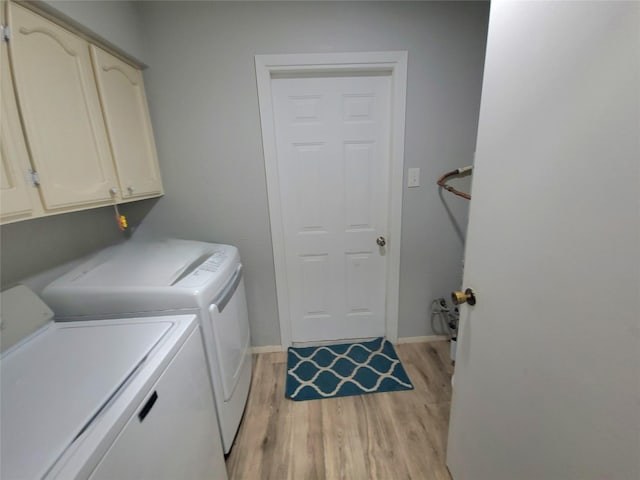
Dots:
pixel 148 406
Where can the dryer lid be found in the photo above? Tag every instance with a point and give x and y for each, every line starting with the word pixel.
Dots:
pixel 54 384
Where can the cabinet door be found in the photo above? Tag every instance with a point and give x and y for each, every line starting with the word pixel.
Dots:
pixel 126 114
pixel 15 200
pixel 60 108
pixel 174 434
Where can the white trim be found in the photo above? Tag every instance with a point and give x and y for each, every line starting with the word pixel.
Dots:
pixel 280 348
pixel 326 343
pixel 268 349
pixel 395 63
pixel 423 339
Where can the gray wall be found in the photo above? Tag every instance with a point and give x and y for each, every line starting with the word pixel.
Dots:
pixel 30 247
pixel 202 92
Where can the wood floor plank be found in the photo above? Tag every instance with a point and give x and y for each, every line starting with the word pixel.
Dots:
pixel 304 432
pixel 393 435
pixel 384 444
pixel 429 369
pixel 422 428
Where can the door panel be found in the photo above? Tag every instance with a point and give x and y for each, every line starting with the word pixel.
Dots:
pixel 358 158
pixel 547 378
pixel 65 131
pixel 332 136
pixel 315 283
pixel 311 174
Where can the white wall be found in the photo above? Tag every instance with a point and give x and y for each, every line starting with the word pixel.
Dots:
pixel 202 92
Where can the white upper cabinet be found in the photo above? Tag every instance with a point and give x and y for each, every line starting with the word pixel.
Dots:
pixel 77 115
pixel 126 115
pixel 15 199
pixel 61 112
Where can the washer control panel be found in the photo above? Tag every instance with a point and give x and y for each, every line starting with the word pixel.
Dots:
pixel 206 270
pixel 212 264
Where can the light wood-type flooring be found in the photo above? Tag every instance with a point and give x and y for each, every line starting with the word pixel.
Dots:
pixel 395 435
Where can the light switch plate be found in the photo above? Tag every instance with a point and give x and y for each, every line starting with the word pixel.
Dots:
pixel 413 179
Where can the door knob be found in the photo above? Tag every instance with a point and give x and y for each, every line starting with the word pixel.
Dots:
pixel 467 296
pixel 381 241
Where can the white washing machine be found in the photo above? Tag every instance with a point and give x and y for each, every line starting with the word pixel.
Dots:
pixel 122 398
pixel 171 277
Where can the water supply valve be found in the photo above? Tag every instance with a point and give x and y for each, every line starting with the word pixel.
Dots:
pixel 467 296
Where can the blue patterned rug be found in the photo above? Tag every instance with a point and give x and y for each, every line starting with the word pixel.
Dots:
pixel 343 370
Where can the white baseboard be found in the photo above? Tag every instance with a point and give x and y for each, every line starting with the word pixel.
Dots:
pixel 423 339
pixel 327 343
pixel 267 349
pixel 279 348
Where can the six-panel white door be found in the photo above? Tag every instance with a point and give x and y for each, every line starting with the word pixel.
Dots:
pixel 332 139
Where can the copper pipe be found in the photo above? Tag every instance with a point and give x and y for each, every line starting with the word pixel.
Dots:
pixel 449 188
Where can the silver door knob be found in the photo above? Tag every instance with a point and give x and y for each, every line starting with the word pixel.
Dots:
pixel 381 241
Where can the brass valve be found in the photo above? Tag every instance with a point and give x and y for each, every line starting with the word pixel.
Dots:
pixel 467 296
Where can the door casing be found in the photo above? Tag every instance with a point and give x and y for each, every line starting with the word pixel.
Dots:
pixel 321 64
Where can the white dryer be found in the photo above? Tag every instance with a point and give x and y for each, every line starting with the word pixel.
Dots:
pixel 171 277
pixel 122 398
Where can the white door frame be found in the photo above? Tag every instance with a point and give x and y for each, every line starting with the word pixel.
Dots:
pixel 392 63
